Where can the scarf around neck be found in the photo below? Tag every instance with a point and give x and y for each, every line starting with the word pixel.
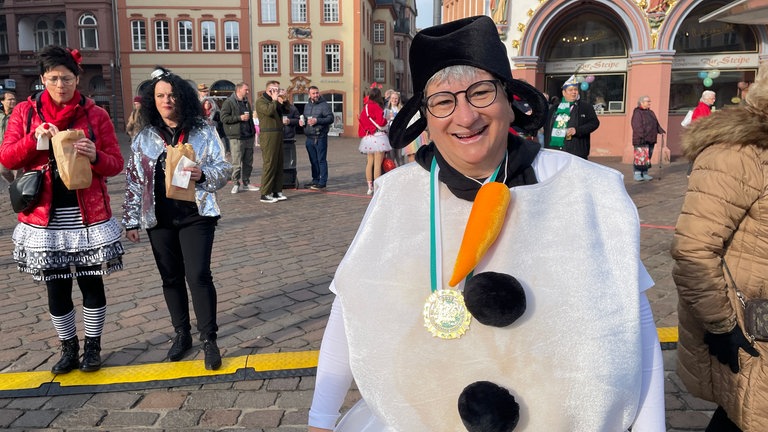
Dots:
pixel 562 117
pixel 60 116
pixel 521 153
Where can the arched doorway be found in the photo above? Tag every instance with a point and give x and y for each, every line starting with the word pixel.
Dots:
pixel 594 49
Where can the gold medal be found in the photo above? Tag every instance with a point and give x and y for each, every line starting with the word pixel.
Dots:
pixel 445 314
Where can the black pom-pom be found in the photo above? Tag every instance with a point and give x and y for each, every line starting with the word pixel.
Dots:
pixel 494 299
pixel 487 407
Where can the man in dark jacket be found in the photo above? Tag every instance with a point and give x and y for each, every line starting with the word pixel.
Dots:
pixel 571 122
pixel 236 115
pixel 317 120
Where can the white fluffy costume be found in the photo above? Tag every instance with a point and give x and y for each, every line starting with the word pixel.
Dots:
pixel 572 361
pixel 580 351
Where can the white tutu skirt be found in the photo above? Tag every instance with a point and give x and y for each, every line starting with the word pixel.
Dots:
pixel 378 142
pixel 66 242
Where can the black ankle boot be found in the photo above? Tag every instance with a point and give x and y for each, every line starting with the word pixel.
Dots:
pixel 91 354
pixel 212 354
pixel 181 344
pixel 70 356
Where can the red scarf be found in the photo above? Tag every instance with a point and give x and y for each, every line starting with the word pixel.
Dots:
pixel 61 116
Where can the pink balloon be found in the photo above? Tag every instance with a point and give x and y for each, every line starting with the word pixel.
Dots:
pixel 590 78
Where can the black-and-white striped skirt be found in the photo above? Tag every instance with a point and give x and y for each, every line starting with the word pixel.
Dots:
pixel 65 243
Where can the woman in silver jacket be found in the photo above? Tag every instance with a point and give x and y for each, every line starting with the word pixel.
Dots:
pixel 180 232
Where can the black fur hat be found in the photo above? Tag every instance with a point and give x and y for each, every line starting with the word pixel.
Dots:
pixel 470 41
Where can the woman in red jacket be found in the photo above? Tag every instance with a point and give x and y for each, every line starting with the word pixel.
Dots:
pixel 67 234
pixel 370 122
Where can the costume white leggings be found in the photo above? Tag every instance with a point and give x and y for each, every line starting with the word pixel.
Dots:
pixel 334 375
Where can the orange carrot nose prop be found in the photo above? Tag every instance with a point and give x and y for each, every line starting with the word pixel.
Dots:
pixel 484 225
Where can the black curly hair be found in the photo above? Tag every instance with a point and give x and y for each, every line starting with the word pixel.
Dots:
pixel 189 110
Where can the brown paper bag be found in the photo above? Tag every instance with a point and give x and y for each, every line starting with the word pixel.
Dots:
pixel 74 169
pixel 172 159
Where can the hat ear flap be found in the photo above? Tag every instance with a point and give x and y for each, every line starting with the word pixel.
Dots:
pixel 402 133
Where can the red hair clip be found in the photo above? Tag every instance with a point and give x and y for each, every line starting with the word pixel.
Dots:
pixel 77 56
pixel 376 85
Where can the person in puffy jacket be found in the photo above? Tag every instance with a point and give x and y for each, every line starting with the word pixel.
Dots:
pixel 67 234
pixel 720 246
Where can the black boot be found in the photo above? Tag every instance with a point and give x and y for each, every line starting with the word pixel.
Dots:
pixel 212 354
pixel 91 354
pixel 181 344
pixel 70 356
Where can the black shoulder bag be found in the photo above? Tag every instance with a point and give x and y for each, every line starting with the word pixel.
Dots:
pixel 25 189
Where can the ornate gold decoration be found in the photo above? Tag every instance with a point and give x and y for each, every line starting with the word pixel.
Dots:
pixel 520 27
pixel 515 43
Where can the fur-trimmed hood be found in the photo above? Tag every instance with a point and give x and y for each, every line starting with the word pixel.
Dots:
pixel 741 125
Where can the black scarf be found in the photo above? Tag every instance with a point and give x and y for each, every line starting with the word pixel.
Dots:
pixel 521 153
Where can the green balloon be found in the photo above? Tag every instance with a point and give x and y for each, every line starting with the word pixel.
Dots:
pixel 707 82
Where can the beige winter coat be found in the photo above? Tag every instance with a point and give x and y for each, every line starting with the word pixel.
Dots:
pixel 725 215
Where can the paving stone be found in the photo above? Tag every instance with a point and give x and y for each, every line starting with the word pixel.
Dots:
pixel 79 418
pixel 262 418
pixel 162 399
pixel 116 400
pixel 182 419
pixel 211 399
pixel 35 418
pixel 7 416
pixel 129 418
pixel 220 418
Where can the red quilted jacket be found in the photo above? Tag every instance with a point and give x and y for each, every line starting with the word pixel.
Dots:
pixel 18 151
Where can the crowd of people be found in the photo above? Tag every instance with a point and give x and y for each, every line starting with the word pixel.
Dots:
pixel 470 140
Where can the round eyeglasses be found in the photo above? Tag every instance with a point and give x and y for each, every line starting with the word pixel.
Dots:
pixel 480 95
pixel 55 80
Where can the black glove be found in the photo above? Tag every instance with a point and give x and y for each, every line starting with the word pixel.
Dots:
pixel 725 347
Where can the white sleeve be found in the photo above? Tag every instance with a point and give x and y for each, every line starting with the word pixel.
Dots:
pixel 651 414
pixel 334 375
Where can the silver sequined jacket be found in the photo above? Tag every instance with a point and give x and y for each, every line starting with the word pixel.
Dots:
pixel 147 146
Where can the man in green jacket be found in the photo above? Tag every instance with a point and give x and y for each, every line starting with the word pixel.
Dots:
pixel 270 107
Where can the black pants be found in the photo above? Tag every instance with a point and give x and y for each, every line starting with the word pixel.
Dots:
pixel 182 252
pixel 721 423
pixel 60 291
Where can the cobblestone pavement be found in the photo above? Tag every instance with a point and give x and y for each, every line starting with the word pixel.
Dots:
pixel 272 264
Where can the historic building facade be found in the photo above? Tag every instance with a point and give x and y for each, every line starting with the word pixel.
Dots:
pixel 29 25
pixel 340 47
pixel 625 49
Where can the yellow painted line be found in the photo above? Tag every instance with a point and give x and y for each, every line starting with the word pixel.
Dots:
pixel 283 361
pixel 168 371
pixel 149 372
pixel 24 380
pixel 667 334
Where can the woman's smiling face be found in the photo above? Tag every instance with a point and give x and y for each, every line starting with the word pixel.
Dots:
pixel 472 140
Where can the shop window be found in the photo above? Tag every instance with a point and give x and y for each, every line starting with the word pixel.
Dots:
pixel 593 49
pixel 686 89
pixel 592 35
pixel 605 92
pixel 715 36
